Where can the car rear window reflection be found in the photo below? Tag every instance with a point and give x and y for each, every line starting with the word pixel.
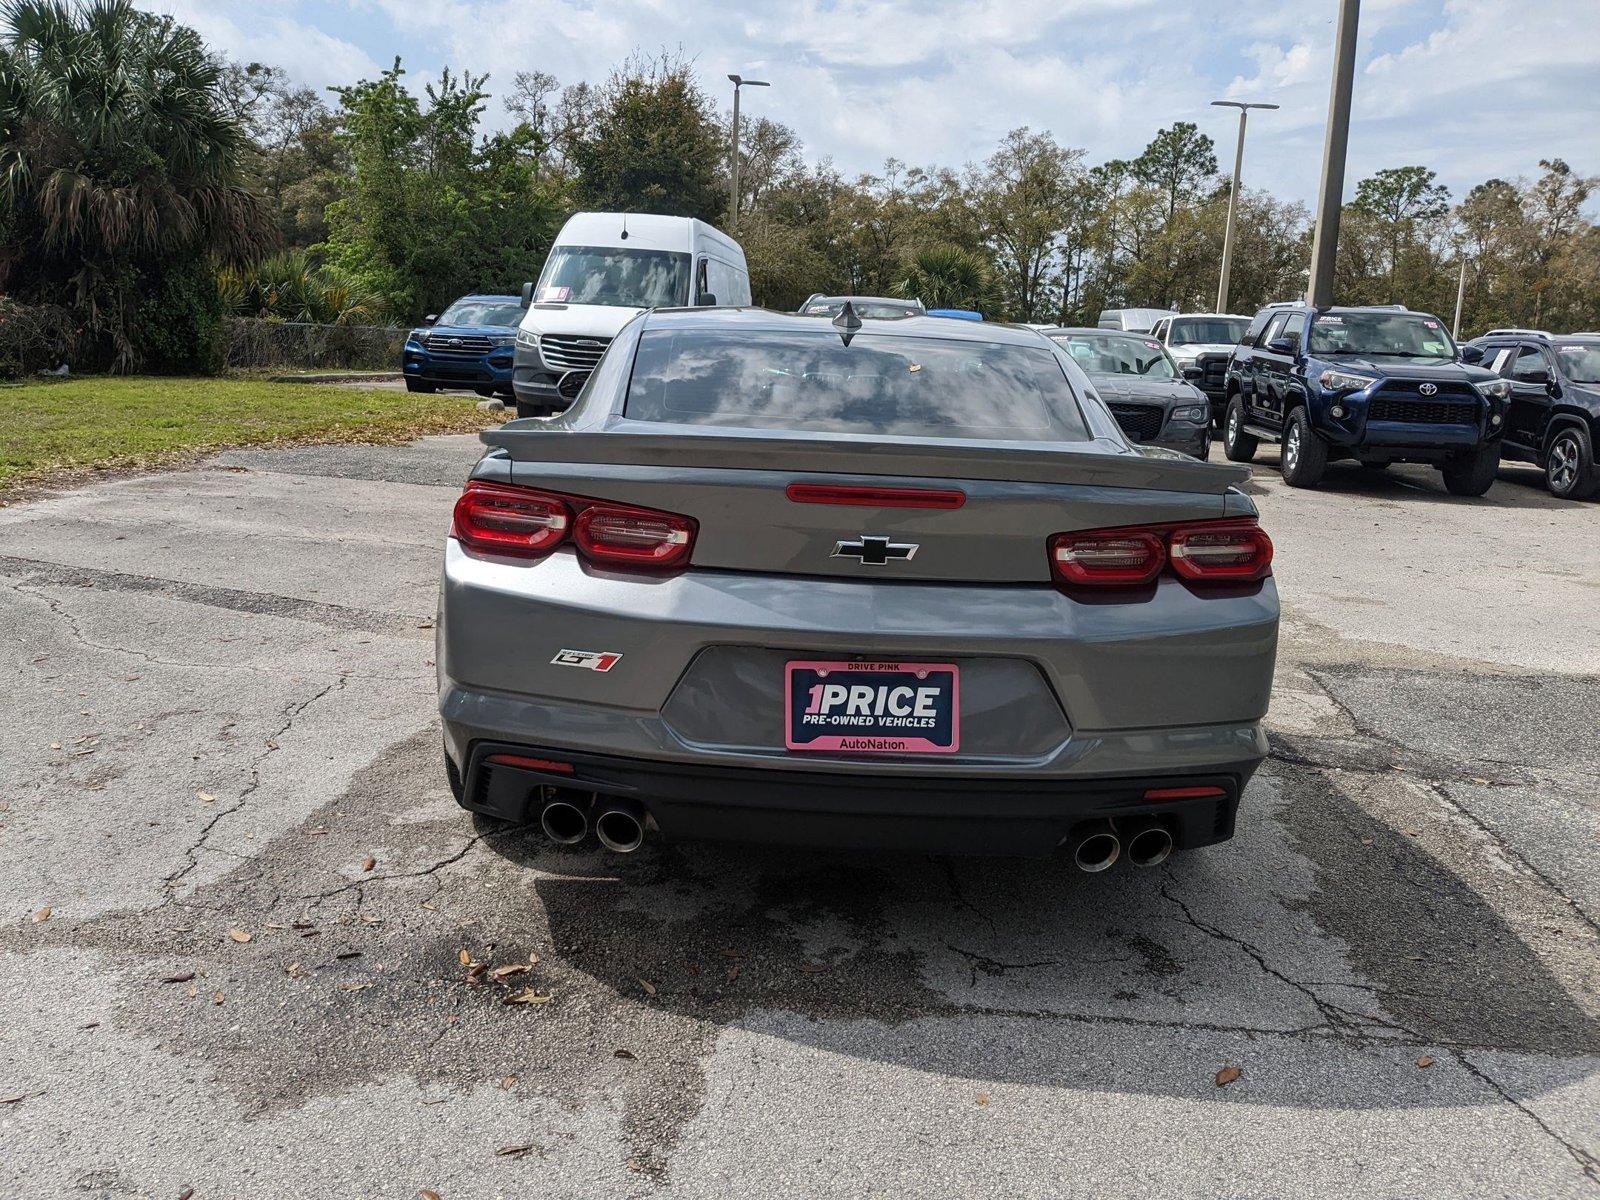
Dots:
pixel 912 387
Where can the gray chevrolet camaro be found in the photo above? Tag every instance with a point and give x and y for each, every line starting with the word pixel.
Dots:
pixel 1143 388
pixel 894 584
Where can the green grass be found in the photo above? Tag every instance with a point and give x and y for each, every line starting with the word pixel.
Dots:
pixel 48 429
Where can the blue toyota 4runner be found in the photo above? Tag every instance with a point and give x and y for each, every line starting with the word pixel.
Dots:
pixel 1378 385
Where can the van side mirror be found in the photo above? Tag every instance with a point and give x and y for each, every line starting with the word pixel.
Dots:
pixel 1281 345
pixel 527 294
pixel 707 300
pixel 431 319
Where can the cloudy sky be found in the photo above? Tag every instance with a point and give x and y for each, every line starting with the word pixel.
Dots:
pixel 1472 88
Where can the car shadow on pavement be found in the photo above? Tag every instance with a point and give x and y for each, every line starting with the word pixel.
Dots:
pixel 1414 484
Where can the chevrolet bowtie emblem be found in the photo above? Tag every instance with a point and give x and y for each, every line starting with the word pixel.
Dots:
pixel 874 551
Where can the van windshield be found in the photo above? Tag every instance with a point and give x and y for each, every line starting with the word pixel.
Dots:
pixel 612 276
pixel 877 384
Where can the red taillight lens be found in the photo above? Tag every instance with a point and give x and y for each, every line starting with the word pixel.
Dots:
pixel 1199 551
pixel 1124 557
pixel 875 497
pixel 634 537
pixel 494 518
pixel 1236 553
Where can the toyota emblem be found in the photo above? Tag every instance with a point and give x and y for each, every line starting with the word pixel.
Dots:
pixel 1428 389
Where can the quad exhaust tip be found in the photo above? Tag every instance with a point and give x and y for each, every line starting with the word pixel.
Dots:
pixel 564 822
pixel 1150 847
pixel 620 826
pixel 1096 848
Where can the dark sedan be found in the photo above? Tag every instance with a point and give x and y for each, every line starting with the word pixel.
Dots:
pixel 1142 387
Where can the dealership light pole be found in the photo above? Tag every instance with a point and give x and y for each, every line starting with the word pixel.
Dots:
pixel 1461 293
pixel 733 167
pixel 1233 198
pixel 1325 247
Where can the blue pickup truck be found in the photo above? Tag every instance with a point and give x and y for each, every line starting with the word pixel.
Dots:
pixel 469 346
pixel 1379 385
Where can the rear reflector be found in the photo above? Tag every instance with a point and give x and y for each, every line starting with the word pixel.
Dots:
pixel 875 497
pixel 531 764
pixel 1107 556
pixel 1184 793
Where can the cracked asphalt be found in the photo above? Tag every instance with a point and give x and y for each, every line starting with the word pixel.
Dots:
pixel 279 961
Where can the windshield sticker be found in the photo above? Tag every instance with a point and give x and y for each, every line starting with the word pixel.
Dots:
pixel 554 295
pixel 1569 349
pixel 1431 324
pixel 1330 320
pixel 1154 345
pixel 914 368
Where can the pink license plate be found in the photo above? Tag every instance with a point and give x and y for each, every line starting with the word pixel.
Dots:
pixel 872 707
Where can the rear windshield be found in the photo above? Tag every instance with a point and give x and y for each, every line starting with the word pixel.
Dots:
pixel 911 387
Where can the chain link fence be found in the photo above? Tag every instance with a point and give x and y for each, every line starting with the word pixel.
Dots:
pixel 253 344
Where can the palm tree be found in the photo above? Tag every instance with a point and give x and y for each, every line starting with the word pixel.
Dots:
pixel 291 287
pixel 946 276
pixel 119 167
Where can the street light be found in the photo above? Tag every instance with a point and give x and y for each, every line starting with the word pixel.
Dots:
pixel 733 171
pixel 1233 198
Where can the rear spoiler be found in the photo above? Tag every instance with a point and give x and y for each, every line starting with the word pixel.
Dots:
pixel 646 444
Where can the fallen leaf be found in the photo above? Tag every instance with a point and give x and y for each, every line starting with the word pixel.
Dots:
pixel 186 1194
pixel 983 1099
pixel 475 973
pixel 1227 1075
pixel 369 919
pixel 271 745
pixel 429 905
pixel 728 953
pixel 17 1099
pixel 529 996
pixel 293 970
pixel 353 987
pixel 181 977
pixel 240 936
pixel 509 1082
pixel 501 974
pixel 463 957
pixel 627 1054
pixel 204 797
pixel 42 915
pixel 216 997
pixel 1425 1061
pixel 345 955
pixel 516 1151
pixel 649 988
pixel 429 1194
pixel 369 863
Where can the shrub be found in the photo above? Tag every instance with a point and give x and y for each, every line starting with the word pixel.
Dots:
pixel 34 338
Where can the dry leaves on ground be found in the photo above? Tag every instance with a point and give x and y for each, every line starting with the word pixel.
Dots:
pixel 529 996
pixel 1425 1061
pixel 42 915
pixel 368 863
pixel 240 936
pixel 1227 1075
pixel 649 988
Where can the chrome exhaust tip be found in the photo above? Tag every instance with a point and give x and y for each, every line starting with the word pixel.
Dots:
pixel 620 826
pixel 564 822
pixel 1150 846
pixel 1096 847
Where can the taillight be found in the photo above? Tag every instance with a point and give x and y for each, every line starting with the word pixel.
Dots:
pixel 520 522
pixel 635 537
pixel 1202 552
pixel 1223 552
pixel 1108 556
pixel 495 518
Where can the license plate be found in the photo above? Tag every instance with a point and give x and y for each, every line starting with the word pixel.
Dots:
pixel 872 707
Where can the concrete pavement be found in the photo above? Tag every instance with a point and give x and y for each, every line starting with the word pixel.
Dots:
pixel 220 718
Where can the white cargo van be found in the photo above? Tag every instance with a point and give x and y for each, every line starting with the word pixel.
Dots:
pixel 602 270
pixel 1132 320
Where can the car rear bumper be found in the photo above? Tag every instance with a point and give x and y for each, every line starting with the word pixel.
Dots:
pixel 1055 693
pixel 925 813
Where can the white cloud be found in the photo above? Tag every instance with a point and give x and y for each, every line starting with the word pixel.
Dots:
pixel 1471 87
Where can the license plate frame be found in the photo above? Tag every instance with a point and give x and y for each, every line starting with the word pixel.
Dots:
pixel 930 722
